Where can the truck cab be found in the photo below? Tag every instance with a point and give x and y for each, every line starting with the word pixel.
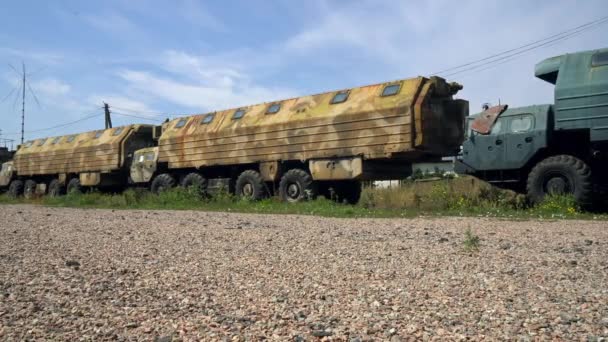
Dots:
pixel 559 148
pixel 515 137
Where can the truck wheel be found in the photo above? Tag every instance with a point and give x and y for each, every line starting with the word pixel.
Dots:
pixel 250 185
pixel 15 189
pixel 348 191
pixel 197 181
pixel 560 174
pixel 29 189
pixel 162 182
pixel 55 188
pixel 297 185
pixel 74 186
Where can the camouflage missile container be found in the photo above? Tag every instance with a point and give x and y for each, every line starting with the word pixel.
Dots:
pixel 318 144
pixel 68 163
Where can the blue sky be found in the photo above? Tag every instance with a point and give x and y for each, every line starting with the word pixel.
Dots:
pixel 165 58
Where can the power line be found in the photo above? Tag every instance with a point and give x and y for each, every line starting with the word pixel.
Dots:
pixel 524 48
pixel 516 54
pixel 507 60
pixel 141 111
pixel 59 126
pixel 136 116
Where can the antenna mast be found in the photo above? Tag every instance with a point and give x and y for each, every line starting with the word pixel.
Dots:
pixel 23 105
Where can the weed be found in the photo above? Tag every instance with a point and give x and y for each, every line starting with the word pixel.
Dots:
pixel 471 241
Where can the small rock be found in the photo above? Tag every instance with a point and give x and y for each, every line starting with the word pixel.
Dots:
pixel 131 325
pixel 321 333
pixel 443 239
pixel 505 246
pixel 588 242
pixel 72 263
pixel 167 338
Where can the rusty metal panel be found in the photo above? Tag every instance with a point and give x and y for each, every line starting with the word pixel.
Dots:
pixel 90 178
pixel 6 173
pixel 337 168
pixel 304 128
pixel 485 121
pixel 84 152
pixel 144 164
pixel 269 170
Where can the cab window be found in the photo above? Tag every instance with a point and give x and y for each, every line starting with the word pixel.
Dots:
pixel 117 131
pixel 522 123
pixel 239 113
pixel 599 59
pixel 391 89
pixel 150 156
pixel 497 128
pixel 273 108
pixel 340 97
pixel 207 119
pixel 181 123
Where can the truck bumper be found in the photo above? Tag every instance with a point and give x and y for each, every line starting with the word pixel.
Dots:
pixel 462 168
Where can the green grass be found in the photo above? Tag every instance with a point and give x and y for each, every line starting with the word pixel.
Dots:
pixel 451 197
pixel 471 241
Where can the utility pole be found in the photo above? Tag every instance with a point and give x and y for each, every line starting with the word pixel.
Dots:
pixel 106 108
pixel 23 105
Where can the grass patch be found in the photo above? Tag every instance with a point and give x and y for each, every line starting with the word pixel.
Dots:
pixel 471 241
pixel 461 196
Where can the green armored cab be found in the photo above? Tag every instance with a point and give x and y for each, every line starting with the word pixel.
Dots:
pixel 558 148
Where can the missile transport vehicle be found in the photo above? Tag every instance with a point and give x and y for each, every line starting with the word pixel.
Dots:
pixel 55 165
pixel 305 146
pixel 297 148
pixel 548 149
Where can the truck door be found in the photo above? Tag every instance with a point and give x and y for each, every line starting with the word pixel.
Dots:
pixel 486 151
pixel 519 136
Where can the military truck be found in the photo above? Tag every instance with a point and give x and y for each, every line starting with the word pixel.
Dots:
pixel 301 147
pixel 55 165
pixel 558 148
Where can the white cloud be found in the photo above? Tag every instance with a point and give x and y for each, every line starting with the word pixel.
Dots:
pixel 51 87
pixel 201 69
pixel 198 96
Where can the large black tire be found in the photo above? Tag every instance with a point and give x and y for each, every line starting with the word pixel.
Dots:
pixel 348 191
pixel 56 189
pixel 162 182
pixel 74 186
pixel 562 174
pixel 15 189
pixel 29 189
pixel 297 185
pixel 197 181
pixel 250 185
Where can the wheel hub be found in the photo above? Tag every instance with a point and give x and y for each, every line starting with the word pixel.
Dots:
pixel 557 186
pixel 293 190
pixel 248 190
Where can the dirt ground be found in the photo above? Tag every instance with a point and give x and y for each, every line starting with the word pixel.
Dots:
pixel 76 274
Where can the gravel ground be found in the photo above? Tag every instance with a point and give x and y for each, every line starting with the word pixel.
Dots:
pixel 74 274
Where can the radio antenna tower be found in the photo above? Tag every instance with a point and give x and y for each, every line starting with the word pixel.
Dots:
pixel 24 84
